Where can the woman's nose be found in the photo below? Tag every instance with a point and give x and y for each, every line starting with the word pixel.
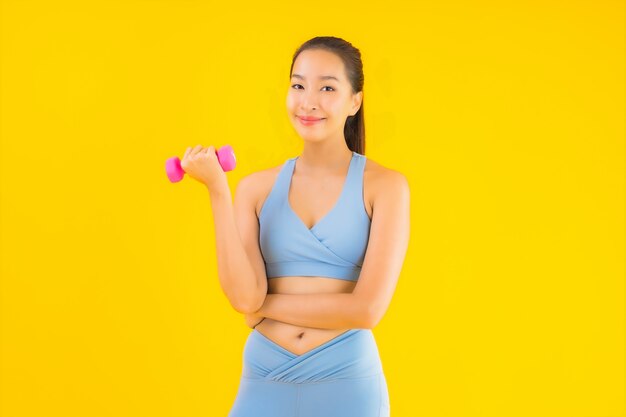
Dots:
pixel 309 101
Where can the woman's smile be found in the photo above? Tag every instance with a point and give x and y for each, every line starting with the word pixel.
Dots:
pixel 309 122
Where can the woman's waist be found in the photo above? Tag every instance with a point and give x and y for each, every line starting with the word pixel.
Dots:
pixel 296 339
pixel 351 354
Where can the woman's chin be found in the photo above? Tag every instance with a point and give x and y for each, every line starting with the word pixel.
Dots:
pixel 311 137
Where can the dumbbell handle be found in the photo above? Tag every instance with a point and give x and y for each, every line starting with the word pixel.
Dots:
pixel 225 156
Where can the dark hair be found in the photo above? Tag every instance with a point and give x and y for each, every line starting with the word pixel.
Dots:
pixel 354 129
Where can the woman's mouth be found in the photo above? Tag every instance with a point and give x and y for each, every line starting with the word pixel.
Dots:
pixel 309 122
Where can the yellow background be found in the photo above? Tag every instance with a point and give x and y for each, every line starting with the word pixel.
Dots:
pixel 506 117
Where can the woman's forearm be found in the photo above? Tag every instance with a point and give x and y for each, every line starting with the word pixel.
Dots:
pixel 242 287
pixel 323 311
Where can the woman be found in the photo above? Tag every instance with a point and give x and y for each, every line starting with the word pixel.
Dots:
pixel 312 250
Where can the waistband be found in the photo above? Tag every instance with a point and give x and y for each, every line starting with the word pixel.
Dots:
pixel 352 354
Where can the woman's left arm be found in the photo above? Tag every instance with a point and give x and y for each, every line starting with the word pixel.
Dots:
pixel 367 304
pixel 324 311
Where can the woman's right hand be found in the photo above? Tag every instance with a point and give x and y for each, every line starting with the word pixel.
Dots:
pixel 201 164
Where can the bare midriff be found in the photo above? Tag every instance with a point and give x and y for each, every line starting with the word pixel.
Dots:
pixel 298 339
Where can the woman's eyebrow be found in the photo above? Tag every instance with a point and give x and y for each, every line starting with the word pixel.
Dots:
pixel 323 77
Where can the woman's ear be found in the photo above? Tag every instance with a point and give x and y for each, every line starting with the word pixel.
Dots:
pixel 357 99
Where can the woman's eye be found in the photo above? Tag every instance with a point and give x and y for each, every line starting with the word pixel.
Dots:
pixel 322 87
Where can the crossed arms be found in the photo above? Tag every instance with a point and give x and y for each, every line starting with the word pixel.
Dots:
pixel 368 302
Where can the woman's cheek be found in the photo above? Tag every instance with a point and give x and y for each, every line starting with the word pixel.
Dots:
pixel 291 102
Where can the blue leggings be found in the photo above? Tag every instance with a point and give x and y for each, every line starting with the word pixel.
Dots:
pixel 341 378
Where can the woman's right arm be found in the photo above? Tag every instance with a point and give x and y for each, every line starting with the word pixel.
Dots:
pixel 241 269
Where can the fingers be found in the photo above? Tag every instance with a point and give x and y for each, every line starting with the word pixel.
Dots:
pixel 197 150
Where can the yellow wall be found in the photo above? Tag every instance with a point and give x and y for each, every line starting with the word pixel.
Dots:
pixel 506 117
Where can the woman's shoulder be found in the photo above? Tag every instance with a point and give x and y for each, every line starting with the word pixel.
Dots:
pixel 381 176
pixel 379 180
pixel 258 184
pixel 259 178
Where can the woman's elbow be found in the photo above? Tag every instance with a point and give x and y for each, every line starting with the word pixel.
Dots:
pixel 248 306
pixel 371 317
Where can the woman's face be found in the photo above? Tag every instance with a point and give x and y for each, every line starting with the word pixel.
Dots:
pixel 312 95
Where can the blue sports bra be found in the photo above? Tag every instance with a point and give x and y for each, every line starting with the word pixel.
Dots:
pixel 334 247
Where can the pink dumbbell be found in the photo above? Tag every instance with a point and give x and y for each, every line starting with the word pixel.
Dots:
pixel 225 156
